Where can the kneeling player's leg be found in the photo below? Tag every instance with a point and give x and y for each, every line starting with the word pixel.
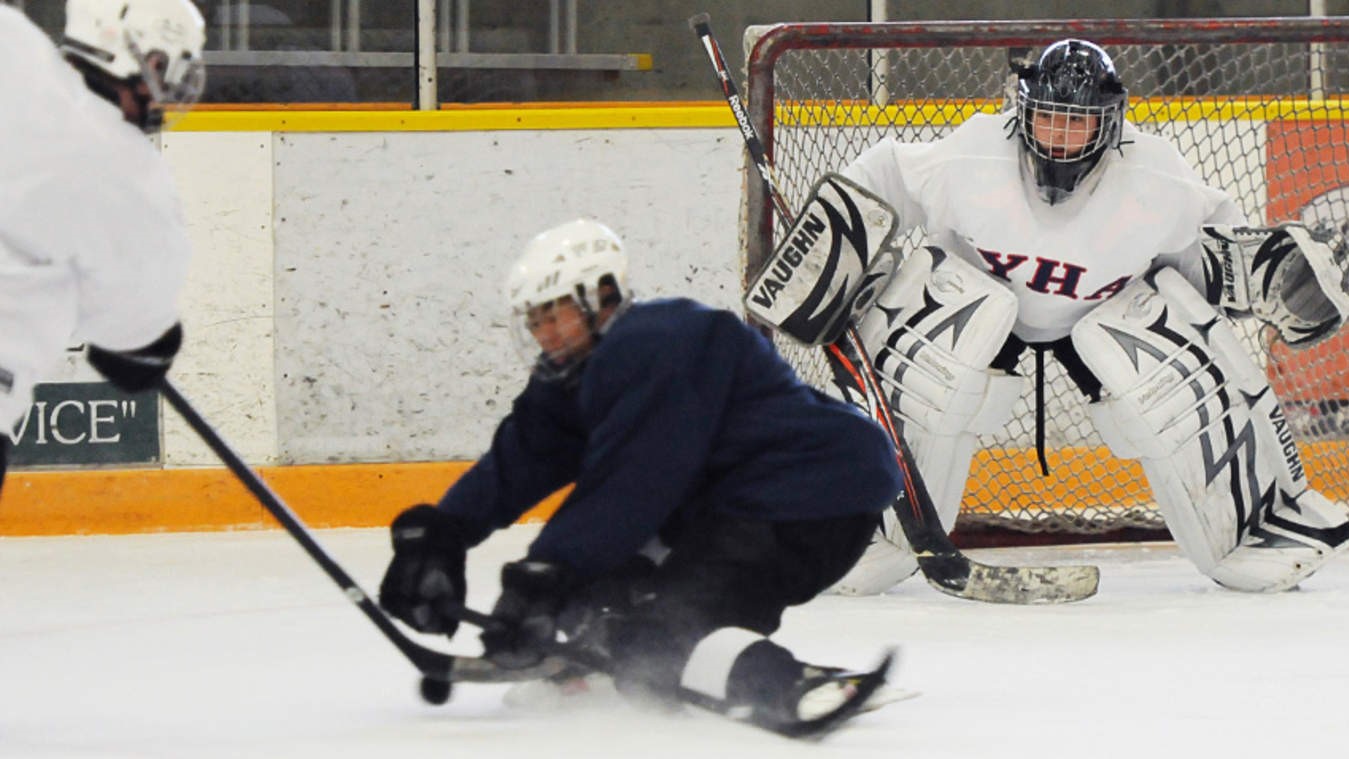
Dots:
pixel 1185 399
pixel 717 596
pixel 584 620
pixel 931 336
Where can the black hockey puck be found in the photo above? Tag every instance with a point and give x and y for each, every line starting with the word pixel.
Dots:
pixel 434 691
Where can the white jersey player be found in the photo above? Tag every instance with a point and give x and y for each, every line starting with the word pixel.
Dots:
pixel 93 246
pixel 1062 227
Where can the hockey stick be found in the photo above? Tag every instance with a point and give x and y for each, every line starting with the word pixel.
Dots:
pixel 865 684
pixel 944 566
pixel 439 670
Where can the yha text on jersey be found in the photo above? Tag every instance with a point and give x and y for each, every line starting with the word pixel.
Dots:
pixel 1047 275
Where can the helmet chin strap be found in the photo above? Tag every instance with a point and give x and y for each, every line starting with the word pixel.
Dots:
pixel 150 119
pixel 138 105
pixel 611 299
pixel 145 116
pixel 591 317
pixel 99 82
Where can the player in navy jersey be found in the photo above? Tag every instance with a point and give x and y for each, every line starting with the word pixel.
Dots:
pixel 1060 227
pixel 712 489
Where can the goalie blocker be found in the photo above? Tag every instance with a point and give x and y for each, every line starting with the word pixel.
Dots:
pixel 829 265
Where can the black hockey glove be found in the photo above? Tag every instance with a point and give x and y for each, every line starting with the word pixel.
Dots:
pixel 532 595
pixel 140 369
pixel 427 571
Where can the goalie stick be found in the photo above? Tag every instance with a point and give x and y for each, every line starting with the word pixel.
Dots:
pixel 944 566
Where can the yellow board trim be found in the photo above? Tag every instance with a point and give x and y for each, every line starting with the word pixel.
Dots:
pixel 468 119
pixel 375 117
pixel 854 113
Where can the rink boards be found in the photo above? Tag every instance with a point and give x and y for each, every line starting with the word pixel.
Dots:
pixel 342 315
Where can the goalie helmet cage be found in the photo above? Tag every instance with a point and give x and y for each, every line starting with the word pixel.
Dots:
pixel 1255 105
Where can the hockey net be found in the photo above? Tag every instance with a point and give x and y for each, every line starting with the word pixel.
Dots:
pixel 1256 105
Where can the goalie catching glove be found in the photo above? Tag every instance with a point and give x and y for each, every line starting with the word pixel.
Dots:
pixel 833 260
pixel 1281 275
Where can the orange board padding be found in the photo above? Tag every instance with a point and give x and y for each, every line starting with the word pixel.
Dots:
pixel 102 502
pixel 1009 480
pixel 109 502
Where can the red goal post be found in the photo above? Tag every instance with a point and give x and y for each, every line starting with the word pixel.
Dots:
pixel 1258 106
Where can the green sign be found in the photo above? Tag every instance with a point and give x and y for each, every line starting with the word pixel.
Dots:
pixel 73 423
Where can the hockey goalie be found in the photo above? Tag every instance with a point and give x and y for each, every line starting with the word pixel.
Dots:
pixel 1061 228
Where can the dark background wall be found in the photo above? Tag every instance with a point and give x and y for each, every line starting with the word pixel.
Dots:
pixel 656 27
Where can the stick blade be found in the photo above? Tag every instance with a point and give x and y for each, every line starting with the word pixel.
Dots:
pixel 1010 585
pixel 475 669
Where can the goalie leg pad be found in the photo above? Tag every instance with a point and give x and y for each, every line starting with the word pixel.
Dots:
pixel 1183 396
pixel 1299 535
pixel 882 566
pixel 930 336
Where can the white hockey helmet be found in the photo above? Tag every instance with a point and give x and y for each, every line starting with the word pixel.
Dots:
pixel 158 42
pixel 573 259
pixel 570 259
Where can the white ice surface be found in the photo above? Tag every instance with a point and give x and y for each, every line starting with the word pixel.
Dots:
pixel 237 645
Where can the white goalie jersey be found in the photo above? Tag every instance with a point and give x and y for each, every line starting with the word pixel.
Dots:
pixel 999 260
pixel 1146 208
pixel 93 246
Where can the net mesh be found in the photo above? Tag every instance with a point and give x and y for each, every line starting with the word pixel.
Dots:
pixel 1261 119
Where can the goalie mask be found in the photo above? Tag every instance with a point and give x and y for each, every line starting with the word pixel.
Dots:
pixel 564 291
pixel 1069 113
pixel 147 51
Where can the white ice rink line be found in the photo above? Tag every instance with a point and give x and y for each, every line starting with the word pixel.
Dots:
pixel 236 645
